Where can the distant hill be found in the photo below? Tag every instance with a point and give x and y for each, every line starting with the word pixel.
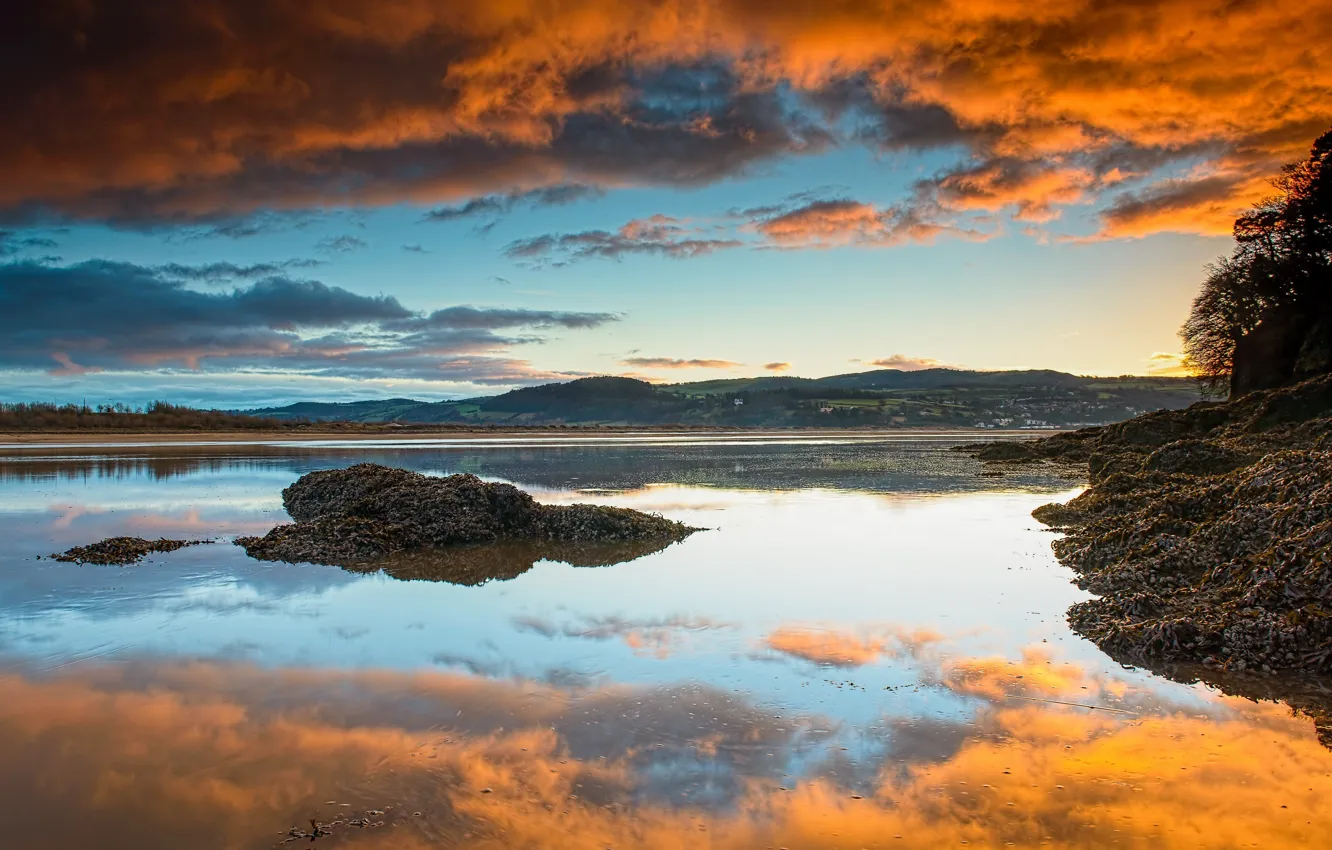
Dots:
pixel 886 397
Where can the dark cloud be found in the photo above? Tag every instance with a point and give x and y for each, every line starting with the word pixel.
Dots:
pixel 659 235
pixel 474 317
pixel 223 225
pixel 344 244
pixel 884 119
pixel 105 316
pixel 12 243
pixel 224 272
pixel 415 249
pixel 497 205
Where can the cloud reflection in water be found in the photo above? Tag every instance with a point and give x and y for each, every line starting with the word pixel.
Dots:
pixel 171 754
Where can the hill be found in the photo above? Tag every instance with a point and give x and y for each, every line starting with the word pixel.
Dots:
pixel 886 397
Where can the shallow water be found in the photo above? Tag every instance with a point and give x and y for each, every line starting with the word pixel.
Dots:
pixel 867 648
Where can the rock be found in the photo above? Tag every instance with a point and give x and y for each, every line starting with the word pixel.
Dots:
pixel 1067 447
pixel 1009 450
pixel 121 551
pixel 366 512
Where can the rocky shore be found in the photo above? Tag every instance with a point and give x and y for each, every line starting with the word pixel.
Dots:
pixel 367 512
pixel 1206 533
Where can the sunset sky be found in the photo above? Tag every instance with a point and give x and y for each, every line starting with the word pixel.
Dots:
pixel 234 202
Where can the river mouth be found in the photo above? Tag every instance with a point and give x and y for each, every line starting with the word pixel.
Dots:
pixel 868 642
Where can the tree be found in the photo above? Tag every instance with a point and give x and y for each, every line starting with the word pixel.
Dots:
pixel 1227 308
pixel 1275 288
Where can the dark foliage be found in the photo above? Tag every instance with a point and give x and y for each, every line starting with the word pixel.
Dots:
pixel 158 416
pixel 1264 315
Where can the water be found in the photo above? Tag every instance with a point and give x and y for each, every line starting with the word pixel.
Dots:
pixel 866 649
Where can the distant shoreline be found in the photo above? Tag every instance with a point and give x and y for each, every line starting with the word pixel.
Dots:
pixel 94 438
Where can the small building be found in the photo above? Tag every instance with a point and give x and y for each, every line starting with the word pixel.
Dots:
pixel 739 401
pixel 826 408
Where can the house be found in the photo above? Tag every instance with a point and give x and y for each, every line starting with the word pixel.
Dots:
pixel 827 408
pixel 739 401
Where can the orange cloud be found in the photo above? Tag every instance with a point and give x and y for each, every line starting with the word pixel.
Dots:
pixel 1172 113
pixel 998 678
pixel 1032 188
pixel 826 223
pixel 677 363
pixel 777 366
pixel 837 648
pixel 907 364
pixel 831 648
pixel 1168 364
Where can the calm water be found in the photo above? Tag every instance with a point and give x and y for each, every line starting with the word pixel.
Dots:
pixel 866 649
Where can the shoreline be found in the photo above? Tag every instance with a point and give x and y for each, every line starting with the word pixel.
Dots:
pixel 82 439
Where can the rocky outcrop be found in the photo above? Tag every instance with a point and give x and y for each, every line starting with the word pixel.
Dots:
pixel 1206 533
pixel 367 511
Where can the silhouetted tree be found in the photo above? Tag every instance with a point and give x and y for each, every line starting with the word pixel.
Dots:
pixel 1278 277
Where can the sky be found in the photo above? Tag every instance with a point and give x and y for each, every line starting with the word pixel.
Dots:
pixel 231 203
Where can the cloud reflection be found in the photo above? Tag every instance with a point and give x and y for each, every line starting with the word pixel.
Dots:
pixel 163 755
pixel 836 648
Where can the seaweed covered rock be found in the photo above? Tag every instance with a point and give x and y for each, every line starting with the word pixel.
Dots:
pixel 121 551
pixel 1232 569
pixel 1207 534
pixel 420 510
pixel 368 511
pixel 1068 447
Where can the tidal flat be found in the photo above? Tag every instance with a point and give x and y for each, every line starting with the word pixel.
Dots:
pixel 867 648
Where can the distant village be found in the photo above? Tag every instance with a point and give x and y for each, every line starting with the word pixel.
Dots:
pixel 1056 410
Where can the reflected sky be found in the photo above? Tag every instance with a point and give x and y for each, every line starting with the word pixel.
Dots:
pixel 868 640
